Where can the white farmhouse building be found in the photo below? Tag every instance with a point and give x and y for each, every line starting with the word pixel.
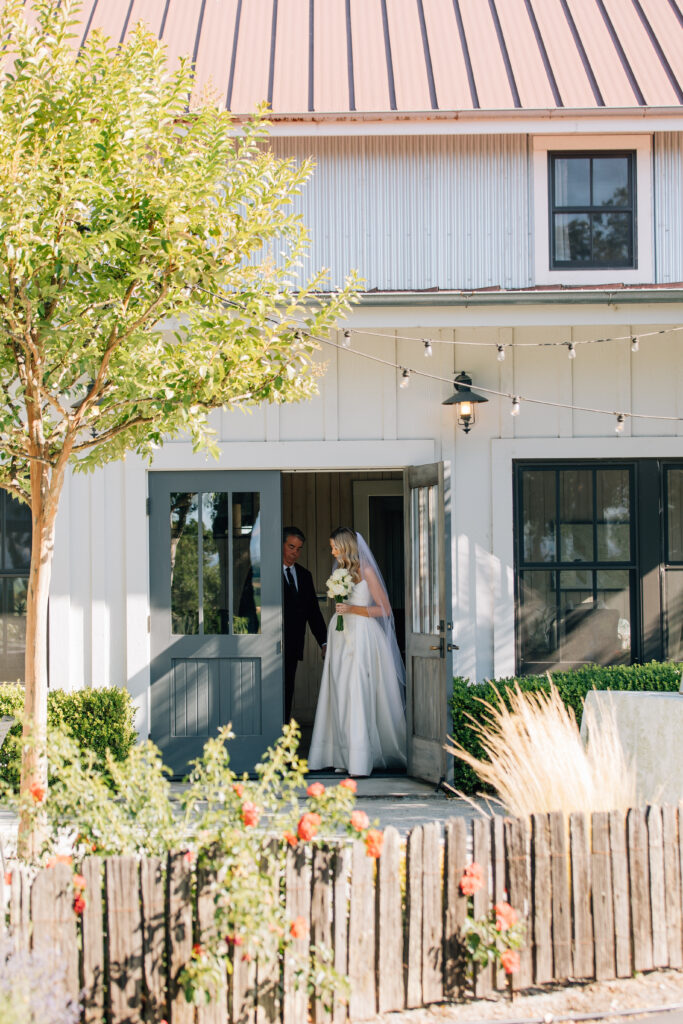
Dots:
pixel 507 177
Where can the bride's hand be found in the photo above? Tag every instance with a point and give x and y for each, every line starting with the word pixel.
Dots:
pixel 342 609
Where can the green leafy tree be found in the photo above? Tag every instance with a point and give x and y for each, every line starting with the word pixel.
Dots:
pixel 123 207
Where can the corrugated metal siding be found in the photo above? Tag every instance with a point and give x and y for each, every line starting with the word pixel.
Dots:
pixel 418 212
pixel 668 206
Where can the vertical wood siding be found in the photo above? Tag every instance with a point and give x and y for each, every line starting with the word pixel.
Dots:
pixel 668 207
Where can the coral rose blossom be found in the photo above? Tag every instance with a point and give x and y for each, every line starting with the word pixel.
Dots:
pixel 308 826
pixel 239 789
pixel 250 814
pixel 360 820
pixel 374 841
pixel 291 838
pixel 315 789
pixel 472 880
pixel 79 904
pixel 299 928
pixel 79 882
pixel 37 792
pixel 505 916
pixel 350 784
pixel 509 958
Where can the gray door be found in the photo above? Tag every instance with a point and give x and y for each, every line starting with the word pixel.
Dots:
pixel 216 612
pixel 429 671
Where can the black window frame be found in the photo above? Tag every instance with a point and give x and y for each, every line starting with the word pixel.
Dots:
pixel 8 575
pixel 553 209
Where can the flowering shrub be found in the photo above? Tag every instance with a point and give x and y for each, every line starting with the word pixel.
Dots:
pixel 32 989
pixel 495 937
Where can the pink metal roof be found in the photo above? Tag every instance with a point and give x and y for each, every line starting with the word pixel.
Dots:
pixel 412 56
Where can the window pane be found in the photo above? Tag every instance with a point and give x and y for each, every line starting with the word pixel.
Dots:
pixel 246 560
pixel 572 237
pixel 674 534
pixel 610 181
pixel 16 542
pixel 13 628
pixel 425 574
pixel 613 487
pixel 673 583
pixel 215 560
pixel 538 516
pixel 572 181
pixel 184 563
pixel 538 616
pixel 576 515
pixel 612 238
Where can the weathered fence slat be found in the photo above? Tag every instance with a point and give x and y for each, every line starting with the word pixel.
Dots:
pixel 584 966
pixel 20 908
pixel 672 885
pixel 542 899
pixel 153 901
pixel 321 916
pixel 432 915
pixel 361 935
pixel 390 986
pixel 660 953
pixel 603 904
pixel 481 854
pixel 340 925
pixel 124 940
pixel 297 904
pixel 620 891
pixel 559 870
pixel 414 902
pixel 268 965
pixel 53 923
pixel 242 992
pixel 519 877
pixel 92 931
pixel 455 904
pixel 499 892
pixel 639 878
pixel 215 1011
pixel 180 937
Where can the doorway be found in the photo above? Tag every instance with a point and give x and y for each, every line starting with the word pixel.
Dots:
pixel 318 502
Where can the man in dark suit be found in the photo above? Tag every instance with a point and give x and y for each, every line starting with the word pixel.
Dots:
pixel 300 606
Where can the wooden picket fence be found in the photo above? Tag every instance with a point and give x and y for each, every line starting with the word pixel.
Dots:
pixel 601 897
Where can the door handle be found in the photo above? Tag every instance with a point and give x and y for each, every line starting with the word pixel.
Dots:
pixel 452 647
pixel 439 647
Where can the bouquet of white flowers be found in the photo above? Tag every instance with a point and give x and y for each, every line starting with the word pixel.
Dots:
pixel 339 585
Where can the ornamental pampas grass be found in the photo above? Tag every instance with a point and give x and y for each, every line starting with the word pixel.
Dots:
pixel 538 763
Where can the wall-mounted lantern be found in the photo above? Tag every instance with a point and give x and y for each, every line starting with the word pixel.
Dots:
pixel 465 400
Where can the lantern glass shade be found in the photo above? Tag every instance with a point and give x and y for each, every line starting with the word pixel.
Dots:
pixel 465 400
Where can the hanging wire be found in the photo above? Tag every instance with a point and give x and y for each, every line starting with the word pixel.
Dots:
pixel 526 344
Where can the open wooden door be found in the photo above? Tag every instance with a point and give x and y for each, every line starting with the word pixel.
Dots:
pixel 429 672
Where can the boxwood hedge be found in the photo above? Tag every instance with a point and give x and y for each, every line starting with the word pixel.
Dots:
pixel 98 719
pixel 572 688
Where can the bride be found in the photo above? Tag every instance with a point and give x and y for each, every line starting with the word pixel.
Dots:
pixel 360 718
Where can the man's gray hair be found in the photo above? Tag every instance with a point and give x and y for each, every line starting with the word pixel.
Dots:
pixel 292 531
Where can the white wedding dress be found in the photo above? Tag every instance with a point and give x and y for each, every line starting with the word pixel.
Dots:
pixel 359 722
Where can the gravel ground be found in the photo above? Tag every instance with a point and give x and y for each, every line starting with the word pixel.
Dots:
pixel 653 991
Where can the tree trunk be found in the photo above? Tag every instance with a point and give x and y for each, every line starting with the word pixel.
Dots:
pixel 44 504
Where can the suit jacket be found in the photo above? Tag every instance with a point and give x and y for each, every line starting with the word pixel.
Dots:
pixel 300 606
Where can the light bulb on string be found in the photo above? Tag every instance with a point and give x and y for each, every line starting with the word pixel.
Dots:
pixel 501 353
pixel 621 419
pixel 405 379
pixel 635 344
pixel 346 339
pixel 514 411
pixel 428 347
pixel 571 351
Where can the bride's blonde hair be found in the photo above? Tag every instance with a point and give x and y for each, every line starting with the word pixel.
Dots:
pixel 346 544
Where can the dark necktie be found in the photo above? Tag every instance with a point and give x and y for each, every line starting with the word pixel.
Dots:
pixel 290 577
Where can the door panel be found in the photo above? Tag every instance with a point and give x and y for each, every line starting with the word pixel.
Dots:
pixel 216 622
pixel 429 673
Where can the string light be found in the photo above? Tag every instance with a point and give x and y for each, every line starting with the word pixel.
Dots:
pixel 621 419
pixel 514 411
pixel 346 339
pixel 635 344
pixel 501 353
pixel 530 344
pixel 428 347
pixel 405 378
pixel 571 351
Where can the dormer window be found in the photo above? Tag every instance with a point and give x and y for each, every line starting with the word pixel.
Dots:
pixel 592 210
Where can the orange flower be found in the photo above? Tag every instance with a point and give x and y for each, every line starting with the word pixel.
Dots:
pixel 291 838
pixel 197 949
pixel 509 958
pixel 59 858
pixel 374 841
pixel 239 789
pixel 349 784
pixel 235 940
pixel 250 814
pixel 189 856
pixel 299 928
pixel 246 957
pixel 308 826
pixel 505 916
pixel 79 904
pixel 8 878
pixel 37 792
pixel 472 880
pixel 315 789
pixel 359 820
pixel 79 882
